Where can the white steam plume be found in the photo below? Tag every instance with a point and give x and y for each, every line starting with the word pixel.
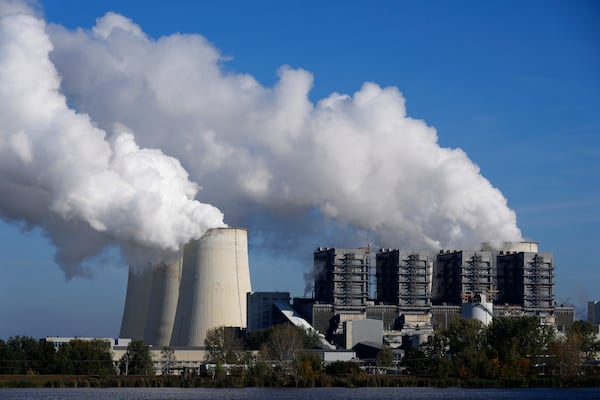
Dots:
pixel 357 158
pixel 59 171
pixel 265 155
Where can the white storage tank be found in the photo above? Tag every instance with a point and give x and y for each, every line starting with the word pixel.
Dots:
pixel 479 309
pixel 214 282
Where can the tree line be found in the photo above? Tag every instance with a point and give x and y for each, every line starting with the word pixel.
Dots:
pixel 281 356
pixel 25 355
pixel 507 348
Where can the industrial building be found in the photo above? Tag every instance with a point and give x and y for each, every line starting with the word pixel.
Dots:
pixel 208 285
pixel 418 291
pixel 594 312
pixel 342 277
pixel 404 278
pixel 461 274
pixel 526 279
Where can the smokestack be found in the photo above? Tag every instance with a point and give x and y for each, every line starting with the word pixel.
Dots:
pixel 214 283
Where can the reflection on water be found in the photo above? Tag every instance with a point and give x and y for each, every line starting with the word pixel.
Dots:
pixel 298 394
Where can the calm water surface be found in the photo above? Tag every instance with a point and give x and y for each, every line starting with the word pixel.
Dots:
pixel 298 394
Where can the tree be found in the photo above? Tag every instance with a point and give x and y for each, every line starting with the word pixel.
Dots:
pixel 23 354
pixel 168 358
pixel 385 357
pixel 283 343
pixel 517 342
pixel 566 356
pixel 85 357
pixel 466 346
pixel 224 346
pixel 307 366
pixel 137 359
pixel 585 333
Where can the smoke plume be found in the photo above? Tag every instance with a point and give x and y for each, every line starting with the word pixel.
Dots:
pixel 86 190
pixel 269 157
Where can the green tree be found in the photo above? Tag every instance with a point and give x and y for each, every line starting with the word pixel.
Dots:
pixel 23 354
pixel 85 357
pixel 585 334
pixel 224 345
pixel 466 345
pixel 385 358
pixel 307 367
pixel 137 359
pixel 517 343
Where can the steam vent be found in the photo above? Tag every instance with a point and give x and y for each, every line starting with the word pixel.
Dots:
pixel 176 304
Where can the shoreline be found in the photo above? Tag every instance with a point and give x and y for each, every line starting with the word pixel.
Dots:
pixel 111 381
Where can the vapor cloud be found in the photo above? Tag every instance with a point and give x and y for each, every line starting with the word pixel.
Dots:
pixel 263 154
pixel 86 190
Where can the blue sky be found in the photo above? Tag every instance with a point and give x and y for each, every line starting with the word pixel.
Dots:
pixel 514 84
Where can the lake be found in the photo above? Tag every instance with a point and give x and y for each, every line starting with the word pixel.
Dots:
pixel 405 393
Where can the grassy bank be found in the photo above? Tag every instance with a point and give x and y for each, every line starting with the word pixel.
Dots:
pixel 321 380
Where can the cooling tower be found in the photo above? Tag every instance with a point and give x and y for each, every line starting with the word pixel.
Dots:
pixel 139 284
pixel 162 304
pixel 214 283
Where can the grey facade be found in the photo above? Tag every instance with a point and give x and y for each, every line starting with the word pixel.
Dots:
pixel 404 278
pixel 526 279
pixel 594 312
pixel 429 289
pixel 462 274
pixel 342 277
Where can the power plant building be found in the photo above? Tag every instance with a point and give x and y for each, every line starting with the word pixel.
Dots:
pixel 404 278
pixel 526 279
pixel 342 277
pixel 459 275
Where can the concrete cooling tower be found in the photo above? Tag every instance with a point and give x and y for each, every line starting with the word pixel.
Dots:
pixel 139 283
pixel 176 303
pixel 151 301
pixel 162 304
pixel 214 283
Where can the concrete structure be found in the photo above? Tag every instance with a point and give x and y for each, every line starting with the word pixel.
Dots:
pixel 459 275
pixel 512 280
pixel 526 279
pixel 342 277
pixel 58 341
pixel 360 331
pixel 139 286
pixel 162 305
pixel 478 308
pixel 404 278
pixel 214 283
pixel 594 312
pixel 565 316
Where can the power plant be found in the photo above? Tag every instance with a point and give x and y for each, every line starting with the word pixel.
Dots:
pixel 414 292
pixel 175 304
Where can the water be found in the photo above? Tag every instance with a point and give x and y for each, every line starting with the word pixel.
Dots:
pixel 409 393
